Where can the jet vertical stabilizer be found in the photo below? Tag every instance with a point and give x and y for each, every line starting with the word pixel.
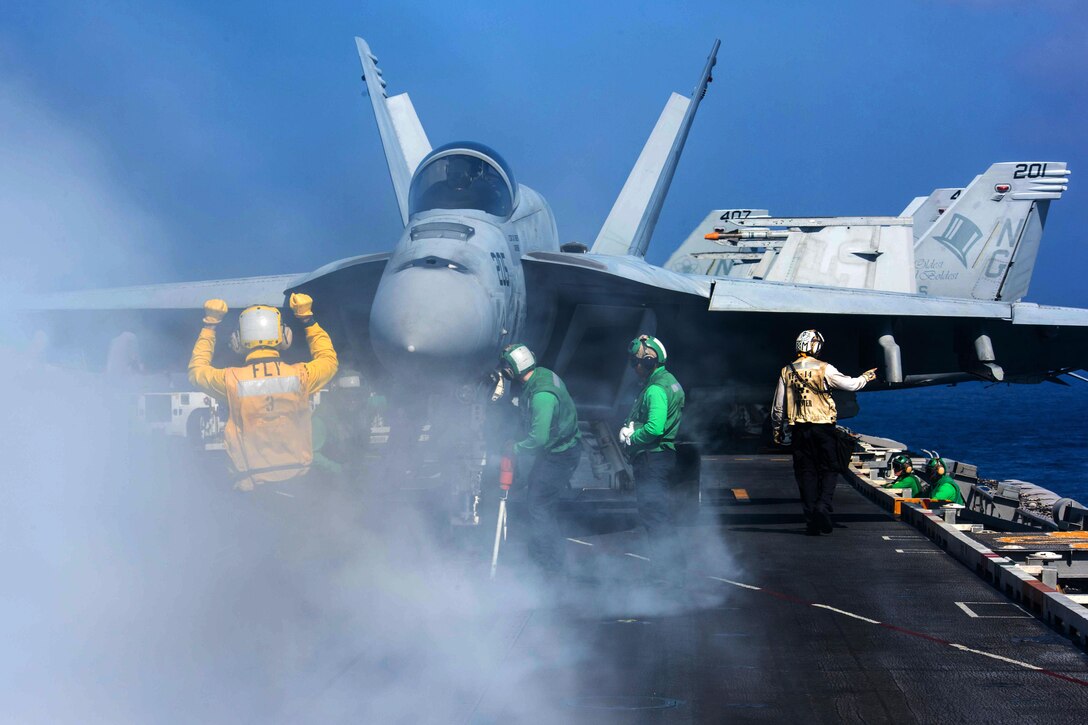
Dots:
pixel 927 209
pixel 403 137
pixel 630 224
pixel 983 245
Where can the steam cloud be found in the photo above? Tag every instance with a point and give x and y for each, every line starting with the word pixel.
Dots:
pixel 140 588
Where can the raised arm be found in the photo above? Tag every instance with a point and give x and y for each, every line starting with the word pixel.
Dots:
pixel 324 363
pixel 201 373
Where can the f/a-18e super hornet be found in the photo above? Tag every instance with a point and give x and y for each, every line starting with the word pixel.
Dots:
pixel 932 296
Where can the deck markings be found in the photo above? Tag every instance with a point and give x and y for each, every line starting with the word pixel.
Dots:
pixel 902 630
pixel 736 584
pixel 964 607
pixel 996 657
pixel 848 614
pixel 903 538
pixel 579 541
pixel 911 632
pixel 1021 613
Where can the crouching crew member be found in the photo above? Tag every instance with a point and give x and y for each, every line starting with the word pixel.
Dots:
pixel 268 435
pixel 551 448
pixel 942 487
pixel 905 477
pixel 650 433
pixel 804 411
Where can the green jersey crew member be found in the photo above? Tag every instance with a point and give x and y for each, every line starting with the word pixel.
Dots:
pixel 650 433
pixel 905 477
pixel 268 435
pixel 804 410
pixel 551 443
pixel 942 487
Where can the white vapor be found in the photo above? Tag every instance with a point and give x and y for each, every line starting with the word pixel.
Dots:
pixel 68 218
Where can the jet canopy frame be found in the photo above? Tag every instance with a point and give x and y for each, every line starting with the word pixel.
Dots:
pixel 463 176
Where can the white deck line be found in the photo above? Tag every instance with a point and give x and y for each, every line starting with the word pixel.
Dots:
pixel 736 584
pixel 848 614
pixel 991 655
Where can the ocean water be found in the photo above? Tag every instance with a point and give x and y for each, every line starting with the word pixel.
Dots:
pixel 1036 433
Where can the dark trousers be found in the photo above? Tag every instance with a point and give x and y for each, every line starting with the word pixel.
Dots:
pixel 653 473
pixel 814 468
pixel 549 476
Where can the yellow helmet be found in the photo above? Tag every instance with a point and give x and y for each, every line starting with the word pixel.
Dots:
pixel 260 326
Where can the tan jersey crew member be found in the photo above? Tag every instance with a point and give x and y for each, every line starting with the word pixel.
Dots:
pixel 804 412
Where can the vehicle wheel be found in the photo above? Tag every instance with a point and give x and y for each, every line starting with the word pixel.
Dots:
pixel 195 425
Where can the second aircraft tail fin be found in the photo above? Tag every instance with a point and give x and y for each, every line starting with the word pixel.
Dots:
pixel 984 243
pixel 630 224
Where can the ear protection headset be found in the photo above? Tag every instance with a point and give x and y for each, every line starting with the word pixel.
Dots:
pixel 647 352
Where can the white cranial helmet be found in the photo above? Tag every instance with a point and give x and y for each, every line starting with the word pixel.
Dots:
pixel 810 342
pixel 261 326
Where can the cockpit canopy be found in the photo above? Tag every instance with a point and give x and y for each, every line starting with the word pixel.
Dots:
pixel 463 176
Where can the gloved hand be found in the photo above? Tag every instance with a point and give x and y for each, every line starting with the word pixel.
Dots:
pixel 302 305
pixel 499 389
pixel 214 311
pixel 782 437
pixel 626 432
pixel 869 375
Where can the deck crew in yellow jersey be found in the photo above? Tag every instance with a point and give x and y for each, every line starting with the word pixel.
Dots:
pixel 268 435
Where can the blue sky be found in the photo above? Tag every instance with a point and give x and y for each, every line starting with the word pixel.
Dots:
pixel 144 142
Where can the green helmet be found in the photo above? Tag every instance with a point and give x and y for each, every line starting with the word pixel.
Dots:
pixel 516 360
pixel 646 349
pixel 901 462
pixel 935 467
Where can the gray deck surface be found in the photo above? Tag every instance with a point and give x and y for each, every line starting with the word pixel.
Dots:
pixel 755 656
pixel 612 645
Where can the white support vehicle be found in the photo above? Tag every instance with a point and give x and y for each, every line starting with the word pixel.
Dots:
pixel 191 415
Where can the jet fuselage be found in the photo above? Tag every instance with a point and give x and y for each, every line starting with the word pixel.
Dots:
pixel 453 292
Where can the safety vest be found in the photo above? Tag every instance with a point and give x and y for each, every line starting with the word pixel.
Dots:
pixel 640 413
pixel 910 481
pixel 269 435
pixel 946 489
pixel 564 433
pixel 807 397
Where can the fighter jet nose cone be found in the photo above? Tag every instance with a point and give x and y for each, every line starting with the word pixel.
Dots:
pixel 432 321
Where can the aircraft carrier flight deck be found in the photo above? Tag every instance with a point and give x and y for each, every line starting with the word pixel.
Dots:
pixel 874 623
